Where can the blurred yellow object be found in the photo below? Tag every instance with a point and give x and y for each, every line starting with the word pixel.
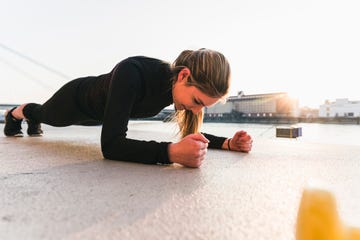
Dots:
pixel 318 218
pixel 353 234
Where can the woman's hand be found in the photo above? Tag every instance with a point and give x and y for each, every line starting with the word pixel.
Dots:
pixel 241 142
pixel 190 151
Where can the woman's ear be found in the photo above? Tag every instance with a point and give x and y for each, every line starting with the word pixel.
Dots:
pixel 183 74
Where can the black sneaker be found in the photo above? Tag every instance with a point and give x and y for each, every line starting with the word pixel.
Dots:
pixel 12 125
pixel 34 129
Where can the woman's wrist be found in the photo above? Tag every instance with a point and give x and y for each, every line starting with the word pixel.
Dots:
pixel 228 143
pixel 171 152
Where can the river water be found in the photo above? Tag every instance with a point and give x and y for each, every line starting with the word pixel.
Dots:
pixel 311 132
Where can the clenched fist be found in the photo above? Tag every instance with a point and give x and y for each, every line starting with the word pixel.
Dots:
pixel 241 142
pixel 190 151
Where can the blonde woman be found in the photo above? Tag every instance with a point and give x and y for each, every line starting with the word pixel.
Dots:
pixel 141 87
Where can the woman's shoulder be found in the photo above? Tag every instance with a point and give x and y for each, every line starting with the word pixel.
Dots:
pixel 147 63
pixel 145 60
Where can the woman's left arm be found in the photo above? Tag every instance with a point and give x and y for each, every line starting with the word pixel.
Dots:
pixel 240 142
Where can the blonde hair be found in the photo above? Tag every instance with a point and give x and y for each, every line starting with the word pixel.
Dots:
pixel 210 73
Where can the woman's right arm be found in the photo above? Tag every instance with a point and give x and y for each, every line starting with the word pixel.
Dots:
pixel 124 89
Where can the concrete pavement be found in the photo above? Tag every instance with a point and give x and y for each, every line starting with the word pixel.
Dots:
pixel 59 187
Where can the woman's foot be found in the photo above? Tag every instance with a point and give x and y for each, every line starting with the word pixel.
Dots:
pixel 34 129
pixel 12 125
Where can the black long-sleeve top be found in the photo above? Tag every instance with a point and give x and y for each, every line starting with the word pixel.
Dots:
pixel 137 87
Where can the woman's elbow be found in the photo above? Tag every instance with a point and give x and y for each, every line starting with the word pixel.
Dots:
pixel 106 155
pixel 106 152
pixel 112 153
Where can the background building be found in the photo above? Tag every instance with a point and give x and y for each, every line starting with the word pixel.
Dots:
pixel 307 112
pixel 340 108
pixel 256 105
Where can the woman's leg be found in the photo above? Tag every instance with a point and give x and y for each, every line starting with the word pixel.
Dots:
pixel 18 112
pixel 60 110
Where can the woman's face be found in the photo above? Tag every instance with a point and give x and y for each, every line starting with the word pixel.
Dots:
pixel 189 97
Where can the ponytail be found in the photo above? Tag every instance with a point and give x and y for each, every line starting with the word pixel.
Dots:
pixel 188 122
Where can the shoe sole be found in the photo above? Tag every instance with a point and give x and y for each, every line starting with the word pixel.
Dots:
pixel 35 135
pixel 16 135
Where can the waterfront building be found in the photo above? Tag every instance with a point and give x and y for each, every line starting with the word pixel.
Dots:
pixel 307 112
pixel 256 105
pixel 342 107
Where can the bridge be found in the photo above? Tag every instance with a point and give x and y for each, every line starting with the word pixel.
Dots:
pixel 12 64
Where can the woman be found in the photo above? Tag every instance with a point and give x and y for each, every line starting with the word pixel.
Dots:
pixel 141 87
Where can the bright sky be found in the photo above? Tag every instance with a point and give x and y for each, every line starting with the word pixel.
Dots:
pixel 309 48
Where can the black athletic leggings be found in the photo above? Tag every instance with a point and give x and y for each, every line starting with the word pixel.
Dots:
pixel 62 109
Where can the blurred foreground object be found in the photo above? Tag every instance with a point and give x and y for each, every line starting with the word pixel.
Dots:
pixel 318 218
pixel 289 132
